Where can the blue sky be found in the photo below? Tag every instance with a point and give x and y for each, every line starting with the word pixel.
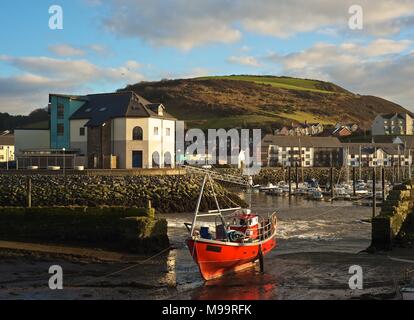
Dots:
pixel 105 45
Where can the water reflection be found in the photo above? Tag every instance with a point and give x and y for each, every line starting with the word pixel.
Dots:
pixel 246 285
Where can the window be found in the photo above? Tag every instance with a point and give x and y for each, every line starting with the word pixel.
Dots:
pixel 167 160
pixel 155 131
pixel 82 131
pixel 60 129
pixel 102 109
pixel 155 160
pixel 60 111
pixel 168 132
pixel 137 134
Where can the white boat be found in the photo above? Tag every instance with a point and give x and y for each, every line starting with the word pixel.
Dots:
pixel 407 292
pixel 275 192
pixel 341 193
pixel 268 187
pixel 361 190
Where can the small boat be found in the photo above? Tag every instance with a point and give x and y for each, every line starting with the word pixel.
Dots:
pixel 275 192
pixel 341 192
pixel 407 292
pixel 239 240
pixel 316 195
pixel 268 187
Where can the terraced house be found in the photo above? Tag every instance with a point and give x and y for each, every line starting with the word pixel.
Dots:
pixel 301 151
pixel 393 124
pixel 106 131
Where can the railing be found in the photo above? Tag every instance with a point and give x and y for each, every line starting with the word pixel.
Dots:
pixel 266 229
pixel 218 176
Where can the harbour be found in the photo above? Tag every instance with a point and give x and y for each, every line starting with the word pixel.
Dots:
pixel 317 243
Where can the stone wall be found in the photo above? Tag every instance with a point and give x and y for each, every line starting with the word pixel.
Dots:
pixel 167 193
pixel 127 229
pixel 388 224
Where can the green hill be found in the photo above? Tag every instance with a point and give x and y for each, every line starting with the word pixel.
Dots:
pixel 285 83
pixel 261 101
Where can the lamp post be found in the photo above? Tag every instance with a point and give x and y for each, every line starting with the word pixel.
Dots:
pixel 7 157
pixel 64 164
pixel 102 151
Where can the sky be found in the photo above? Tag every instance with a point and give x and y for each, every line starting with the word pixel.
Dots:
pixel 104 45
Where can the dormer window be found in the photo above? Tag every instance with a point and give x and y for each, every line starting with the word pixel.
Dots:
pixel 102 109
pixel 88 110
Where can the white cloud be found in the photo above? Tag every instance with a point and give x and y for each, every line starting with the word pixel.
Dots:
pixel 39 76
pixel 244 60
pixel 65 50
pixel 186 24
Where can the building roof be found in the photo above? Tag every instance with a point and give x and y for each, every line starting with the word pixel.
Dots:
pixel 391 115
pixel 369 148
pixel 7 140
pixel 407 141
pixel 100 108
pixel 303 141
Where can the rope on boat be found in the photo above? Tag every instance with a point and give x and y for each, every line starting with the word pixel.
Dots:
pixel 125 269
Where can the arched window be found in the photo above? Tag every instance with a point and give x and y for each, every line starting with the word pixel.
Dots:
pixel 137 134
pixel 155 160
pixel 167 160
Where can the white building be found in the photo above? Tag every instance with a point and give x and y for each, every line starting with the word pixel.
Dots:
pixel 393 124
pixel 376 154
pixel 123 130
pixel 304 151
pixel 32 137
pixel 6 148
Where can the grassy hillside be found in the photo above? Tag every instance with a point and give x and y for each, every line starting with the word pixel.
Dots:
pixel 284 83
pixel 261 101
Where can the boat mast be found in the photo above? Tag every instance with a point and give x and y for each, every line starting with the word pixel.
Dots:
pixel 217 204
pixel 198 205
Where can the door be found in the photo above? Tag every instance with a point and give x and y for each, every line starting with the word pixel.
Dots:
pixel 137 159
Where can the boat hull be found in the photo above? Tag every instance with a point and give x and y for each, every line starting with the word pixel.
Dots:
pixel 216 259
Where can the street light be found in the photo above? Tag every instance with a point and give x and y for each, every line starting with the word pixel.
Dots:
pixel 64 164
pixel 7 157
pixel 102 151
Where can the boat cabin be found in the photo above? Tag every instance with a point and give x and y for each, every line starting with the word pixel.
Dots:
pixel 247 223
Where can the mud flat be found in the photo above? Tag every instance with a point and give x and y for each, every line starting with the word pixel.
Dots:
pixel 315 275
pixel 317 243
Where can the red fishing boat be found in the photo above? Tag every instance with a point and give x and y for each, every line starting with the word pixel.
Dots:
pixel 238 241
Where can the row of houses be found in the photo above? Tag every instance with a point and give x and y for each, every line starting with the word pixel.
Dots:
pixel 393 124
pixel 104 131
pixel 329 151
pixel 301 129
